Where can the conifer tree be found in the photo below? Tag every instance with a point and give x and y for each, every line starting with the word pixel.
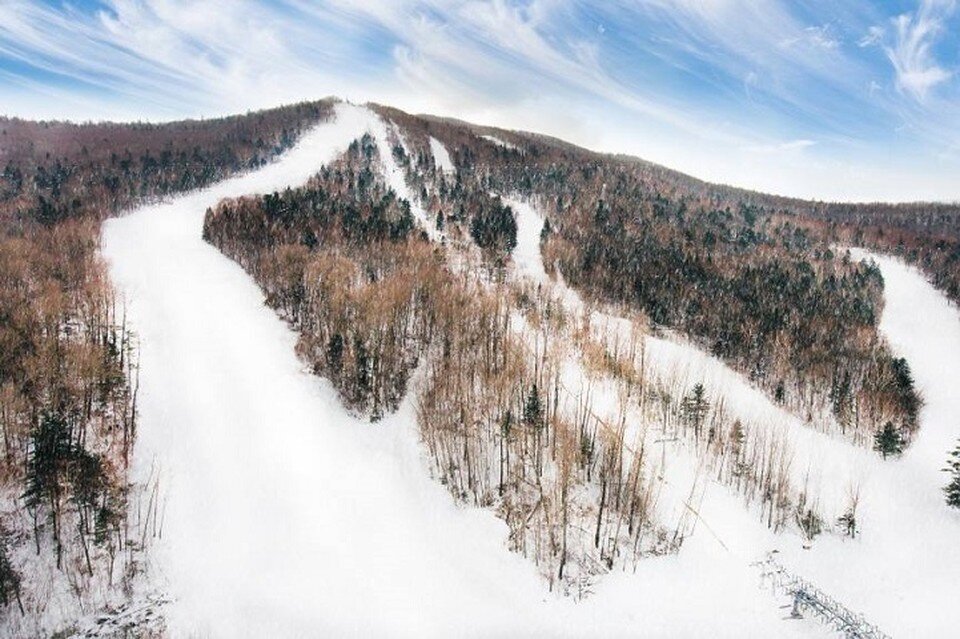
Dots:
pixel 952 489
pixel 888 441
pixel 533 409
pixel 9 577
pixel 695 408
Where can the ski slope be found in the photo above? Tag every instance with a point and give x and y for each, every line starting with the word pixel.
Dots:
pixel 901 571
pixel 441 156
pixel 284 516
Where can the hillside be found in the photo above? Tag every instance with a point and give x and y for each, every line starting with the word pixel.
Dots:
pixel 72 527
pixel 477 341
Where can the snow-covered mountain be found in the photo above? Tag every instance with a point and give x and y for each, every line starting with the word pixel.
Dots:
pixel 626 467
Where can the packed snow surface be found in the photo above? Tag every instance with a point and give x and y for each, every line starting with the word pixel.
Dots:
pixel 395 175
pixel 901 571
pixel 441 156
pixel 285 516
pixel 495 140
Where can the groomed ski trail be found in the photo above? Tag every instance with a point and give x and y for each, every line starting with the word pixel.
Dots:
pixel 284 516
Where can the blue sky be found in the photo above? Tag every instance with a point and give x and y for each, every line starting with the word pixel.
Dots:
pixel 841 99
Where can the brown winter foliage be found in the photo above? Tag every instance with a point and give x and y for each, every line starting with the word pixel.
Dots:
pixel 371 299
pixel 67 362
pixel 924 234
pixel 503 399
pixel 751 277
pixel 56 170
pixel 67 400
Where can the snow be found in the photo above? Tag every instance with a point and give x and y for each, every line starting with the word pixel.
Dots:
pixel 285 516
pixel 499 142
pixel 901 571
pixel 526 255
pixel 395 174
pixel 441 156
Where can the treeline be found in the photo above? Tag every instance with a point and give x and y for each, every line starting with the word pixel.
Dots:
pixel 510 400
pixel 926 235
pixel 67 406
pixel 753 458
pixel 757 293
pixel 338 258
pixel 51 171
pixel 746 275
pixel 67 362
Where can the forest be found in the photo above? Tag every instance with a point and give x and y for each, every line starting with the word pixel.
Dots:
pixel 746 276
pixel 68 362
pixel 925 235
pixel 371 299
pixel 501 373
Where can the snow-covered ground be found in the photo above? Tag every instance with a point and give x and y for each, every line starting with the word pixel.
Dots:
pixel 441 156
pixel 499 142
pixel 904 571
pixel 285 516
pixel 901 571
pixel 386 136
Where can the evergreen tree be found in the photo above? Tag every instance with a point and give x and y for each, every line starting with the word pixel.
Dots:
pixel 694 408
pixel 533 408
pixel 779 393
pixel 335 354
pixel 545 231
pixel 952 489
pixel 363 381
pixel 888 441
pixel 906 392
pixel 9 577
pixel 50 452
pixel 494 226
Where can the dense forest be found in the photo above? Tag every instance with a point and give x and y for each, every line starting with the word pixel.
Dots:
pixel 68 364
pixel 926 235
pixel 753 278
pixel 58 170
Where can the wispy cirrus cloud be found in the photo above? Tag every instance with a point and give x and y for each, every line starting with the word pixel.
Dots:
pixel 702 85
pixel 911 53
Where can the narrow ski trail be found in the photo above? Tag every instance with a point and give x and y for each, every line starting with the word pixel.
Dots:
pixel 284 516
pixel 901 570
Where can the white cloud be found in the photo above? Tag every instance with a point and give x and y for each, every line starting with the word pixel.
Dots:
pixel 530 64
pixel 821 37
pixel 873 36
pixel 789 146
pixel 917 70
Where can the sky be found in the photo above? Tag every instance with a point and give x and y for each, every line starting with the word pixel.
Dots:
pixel 831 100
